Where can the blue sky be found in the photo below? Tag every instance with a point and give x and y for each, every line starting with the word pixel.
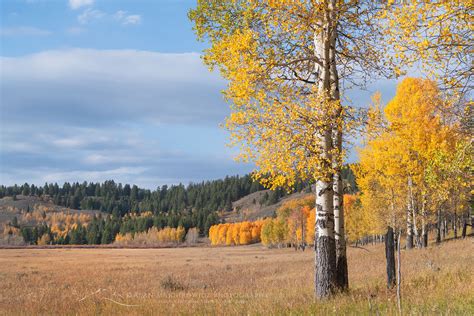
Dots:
pixel 99 89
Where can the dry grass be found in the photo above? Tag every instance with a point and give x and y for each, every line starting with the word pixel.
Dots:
pixel 237 280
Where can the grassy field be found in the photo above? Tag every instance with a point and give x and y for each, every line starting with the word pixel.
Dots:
pixel 234 280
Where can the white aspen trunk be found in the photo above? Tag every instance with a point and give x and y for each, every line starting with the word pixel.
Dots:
pixel 415 229
pixel 325 254
pixel 414 207
pixel 409 243
pixel 342 278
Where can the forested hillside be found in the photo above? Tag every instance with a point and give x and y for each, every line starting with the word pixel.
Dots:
pixel 132 209
pixel 118 199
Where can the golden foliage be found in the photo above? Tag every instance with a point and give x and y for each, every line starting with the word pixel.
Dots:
pixel 359 221
pixel 243 233
pixel 434 34
pixel 404 165
pixel 44 240
pixel 280 103
pixel 293 225
pixel 152 237
pixel 61 223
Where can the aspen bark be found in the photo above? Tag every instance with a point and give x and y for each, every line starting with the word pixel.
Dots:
pixel 325 252
pixel 342 279
pixel 409 243
pixel 415 229
pixel 325 255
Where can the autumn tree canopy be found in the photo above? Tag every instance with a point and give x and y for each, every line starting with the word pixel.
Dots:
pixel 403 164
pixel 287 62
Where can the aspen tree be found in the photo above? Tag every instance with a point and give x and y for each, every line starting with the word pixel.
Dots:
pixel 412 147
pixel 285 61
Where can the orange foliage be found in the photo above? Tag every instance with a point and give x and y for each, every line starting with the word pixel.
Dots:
pixel 294 224
pixel 243 233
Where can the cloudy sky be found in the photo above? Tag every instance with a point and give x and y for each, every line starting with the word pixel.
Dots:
pixel 94 90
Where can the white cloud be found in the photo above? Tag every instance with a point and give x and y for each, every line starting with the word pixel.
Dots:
pixel 89 15
pixel 132 19
pixel 76 4
pixel 134 116
pixel 24 31
pixel 127 19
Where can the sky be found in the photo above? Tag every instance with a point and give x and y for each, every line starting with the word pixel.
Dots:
pixel 93 90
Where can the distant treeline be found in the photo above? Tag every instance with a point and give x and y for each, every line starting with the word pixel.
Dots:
pixel 115 198
pixel 99 230
pixel 195 205
pixel 191 206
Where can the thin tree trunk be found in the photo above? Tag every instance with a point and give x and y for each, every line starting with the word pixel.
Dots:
pixel 443 231
pixel 455 222
pixel 445 228
pixel 424 232
pixel 390 256
pixel 409 243
pixel 342 280
pixel 415 228
pixel 303 236
pixel 399 275
pixel 471 217
pixel 414 207
pixel 325 254
pixel 424 224
pixel 464 226
pixel 438 228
